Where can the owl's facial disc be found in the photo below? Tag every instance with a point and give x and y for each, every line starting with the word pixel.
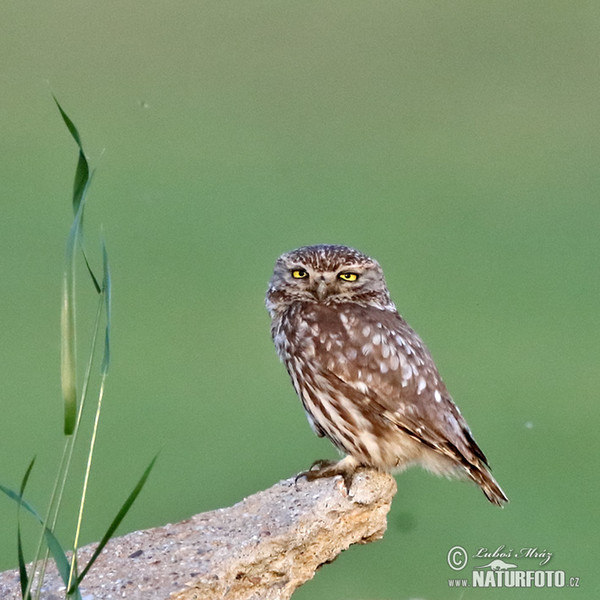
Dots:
pixel 327 274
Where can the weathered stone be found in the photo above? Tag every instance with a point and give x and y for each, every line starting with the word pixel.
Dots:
pixel 263 547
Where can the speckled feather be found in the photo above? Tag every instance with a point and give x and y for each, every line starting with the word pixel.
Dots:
pixel 365 378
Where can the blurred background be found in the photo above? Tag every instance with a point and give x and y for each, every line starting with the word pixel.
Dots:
pixel 457 143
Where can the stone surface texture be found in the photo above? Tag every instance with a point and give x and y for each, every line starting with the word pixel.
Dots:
pixel 262 547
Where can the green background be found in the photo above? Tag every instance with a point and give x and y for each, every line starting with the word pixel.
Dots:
pixel 456 142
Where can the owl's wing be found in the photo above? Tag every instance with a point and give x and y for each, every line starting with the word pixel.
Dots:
pixel 381 362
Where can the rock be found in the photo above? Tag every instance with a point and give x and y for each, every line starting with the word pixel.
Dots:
pixel 263 547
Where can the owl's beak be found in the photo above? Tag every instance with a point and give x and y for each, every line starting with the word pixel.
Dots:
pixel 322 289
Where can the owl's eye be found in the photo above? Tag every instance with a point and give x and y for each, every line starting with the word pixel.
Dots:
pixel 347 276
pixel 299 274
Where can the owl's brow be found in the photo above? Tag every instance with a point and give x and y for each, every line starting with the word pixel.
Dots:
pixel 334 267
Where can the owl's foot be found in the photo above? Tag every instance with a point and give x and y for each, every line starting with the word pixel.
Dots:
pixel 330 468
pixel 322 463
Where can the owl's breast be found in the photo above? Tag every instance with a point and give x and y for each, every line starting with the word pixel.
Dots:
pixel 371 349
pixel 309 329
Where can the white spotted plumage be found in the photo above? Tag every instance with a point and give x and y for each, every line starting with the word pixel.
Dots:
pixel 365 378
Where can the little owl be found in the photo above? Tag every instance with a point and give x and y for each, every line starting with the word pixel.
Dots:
pixel 365 378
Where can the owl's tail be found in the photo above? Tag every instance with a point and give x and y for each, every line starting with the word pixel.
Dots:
pixel 489 486
pixel 479 471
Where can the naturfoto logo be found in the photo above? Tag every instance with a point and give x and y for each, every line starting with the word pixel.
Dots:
pixel 501 568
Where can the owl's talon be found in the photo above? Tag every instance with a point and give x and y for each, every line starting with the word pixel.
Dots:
pixel 348 478
pixel 321 464
pixel 321 469
pixel 316 469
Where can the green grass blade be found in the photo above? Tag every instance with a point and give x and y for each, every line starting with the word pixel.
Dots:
pixel 82 173
pixel 68 329
pixel 70 125
pixel 55 547
pixel 19 500
pixel 117 520
pixel 26 476
pixel 23 577
pixel 81 182
pixel 77 205
pixel 107 287
pixel 72 573
pixel 106 305
pixel 68 365
pixel 57 551
pixel 60 558
pixel 74 591
pixel 18 496
pixel 89 269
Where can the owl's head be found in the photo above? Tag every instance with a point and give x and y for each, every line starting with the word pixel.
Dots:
pixel 327 274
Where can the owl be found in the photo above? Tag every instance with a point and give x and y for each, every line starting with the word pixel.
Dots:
pixel 364 377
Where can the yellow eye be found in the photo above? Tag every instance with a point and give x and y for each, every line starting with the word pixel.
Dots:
pixel 299 274
pixel 348 276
